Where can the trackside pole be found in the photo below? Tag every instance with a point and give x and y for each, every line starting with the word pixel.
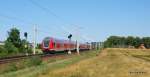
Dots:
pixel 69 37
pixel 78 48
pixel 69 52
pixel 78 44
pixel 34 38
pixel 26 43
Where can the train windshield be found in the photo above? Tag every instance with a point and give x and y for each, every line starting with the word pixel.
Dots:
pixel 46 42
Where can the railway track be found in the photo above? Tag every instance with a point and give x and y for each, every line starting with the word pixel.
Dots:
pixel 7 60
pixel 43 56
pixel 16 58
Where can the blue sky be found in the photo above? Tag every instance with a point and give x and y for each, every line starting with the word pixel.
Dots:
pixel 92 19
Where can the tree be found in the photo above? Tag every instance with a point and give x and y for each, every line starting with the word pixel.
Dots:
pixel 137 42
pixel 118 41
pixel 14 37
pixel 13 42
pixel 122 41
pixel 130 41
pixel 112 41
pixel 146 41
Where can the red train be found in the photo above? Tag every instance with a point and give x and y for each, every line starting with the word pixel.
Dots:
pixel 51 45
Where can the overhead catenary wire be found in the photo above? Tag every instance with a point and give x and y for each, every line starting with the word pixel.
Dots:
pixel 15 18
pixel 29 22
pixel 46 10
pixel 23 21
pixel 51 13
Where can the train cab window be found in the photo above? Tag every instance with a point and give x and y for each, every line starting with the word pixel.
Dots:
pixel 46 42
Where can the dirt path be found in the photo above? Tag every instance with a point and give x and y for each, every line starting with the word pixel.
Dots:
pixel 109 63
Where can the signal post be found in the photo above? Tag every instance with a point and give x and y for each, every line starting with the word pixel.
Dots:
pixel 69 37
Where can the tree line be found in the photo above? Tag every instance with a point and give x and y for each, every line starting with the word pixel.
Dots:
pixel 124 42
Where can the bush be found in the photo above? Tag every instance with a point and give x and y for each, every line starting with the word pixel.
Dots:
pixel 10 48
pixel 36 60
pixel 3 51
pixel 25 63
pixel 30 50
pixel 25 47
pixel 12 67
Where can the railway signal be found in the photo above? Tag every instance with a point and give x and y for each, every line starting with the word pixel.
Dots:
pixel 69 37
pixel 26 44
pixel 25 35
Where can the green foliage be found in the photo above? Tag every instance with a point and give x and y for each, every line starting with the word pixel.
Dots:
pixel 13 42
pixel 146 41
pixel 10 48
pixel 25 63
pixel 3 51
pixel 12 67
pixel 14 37
pixel 15 45
pixel 137 42
pixel 114 41
pixel 30 50
pixel 50 66
pixel 38 46
pixel 25 46
pixel 36 60
pixel 117 41
pixel 130 40
pixel 22 47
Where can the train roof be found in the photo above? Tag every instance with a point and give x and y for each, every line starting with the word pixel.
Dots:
pixel 60 40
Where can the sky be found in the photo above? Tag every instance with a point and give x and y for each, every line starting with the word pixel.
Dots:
pixel 87 20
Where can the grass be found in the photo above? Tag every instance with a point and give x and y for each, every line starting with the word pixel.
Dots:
pixel 20 64
pixel 116 62
pixel 53 65
pixel 110 63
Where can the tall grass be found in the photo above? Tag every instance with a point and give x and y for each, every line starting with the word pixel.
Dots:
pixel 25 63
pixel 111 63
pixel 56 64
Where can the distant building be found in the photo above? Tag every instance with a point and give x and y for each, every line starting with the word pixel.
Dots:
pixel 2 43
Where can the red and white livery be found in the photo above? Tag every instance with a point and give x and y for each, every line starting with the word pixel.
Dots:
pixel 51 45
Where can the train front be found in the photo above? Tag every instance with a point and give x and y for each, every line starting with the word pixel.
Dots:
pixel 47 45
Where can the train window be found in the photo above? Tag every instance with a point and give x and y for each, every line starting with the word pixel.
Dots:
pixel 46 42
pixel 61 45
pixel 54 44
